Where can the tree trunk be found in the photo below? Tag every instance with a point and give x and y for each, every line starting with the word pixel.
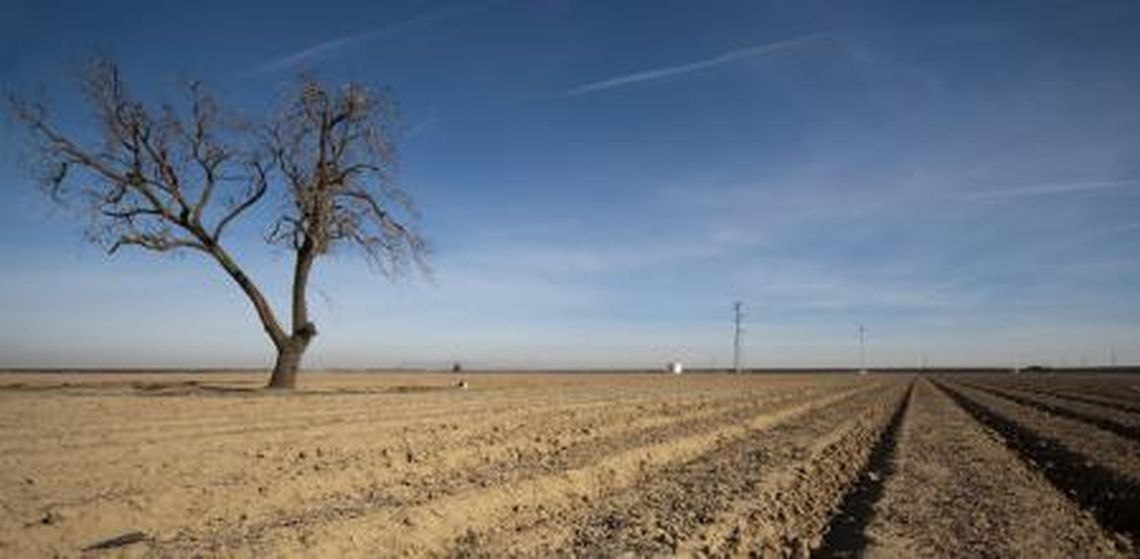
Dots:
pixel 288 363
pixel 289 353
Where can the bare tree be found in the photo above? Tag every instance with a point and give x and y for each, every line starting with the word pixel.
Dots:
pixel 164 179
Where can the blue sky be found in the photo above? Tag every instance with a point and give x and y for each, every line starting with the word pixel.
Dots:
pixel 600 180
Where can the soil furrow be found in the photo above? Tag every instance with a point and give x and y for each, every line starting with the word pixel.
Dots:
pixel 517 468
pixel 571 465
pixel 1111 496
pixel 1116 388
pixel 790 509
pixel 333 476
pixel 240 427
pixel 846 534
pixel 1067 392
pixel 432 528
pixel 1091 399
pixel 665 509
pixel 1088 416
pixel 1123 392
pixel 958 491
pixel 1085 398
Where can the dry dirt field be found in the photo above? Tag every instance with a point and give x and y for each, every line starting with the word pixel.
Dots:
pixel 570 465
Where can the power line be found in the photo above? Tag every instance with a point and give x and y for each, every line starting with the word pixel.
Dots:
pixel 862 350
pixel 738 315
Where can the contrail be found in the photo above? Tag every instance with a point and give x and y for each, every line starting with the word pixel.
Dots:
pixel 331 47
pixel 1047 189
pixel 668 71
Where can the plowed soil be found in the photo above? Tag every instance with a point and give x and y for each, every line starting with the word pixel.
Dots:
pixel 957 491
pixel 564 465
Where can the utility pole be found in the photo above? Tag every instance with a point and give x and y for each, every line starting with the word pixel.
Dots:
pixel 737 316
pixel 862 350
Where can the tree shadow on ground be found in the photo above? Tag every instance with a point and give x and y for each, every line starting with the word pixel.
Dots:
pixel 251 388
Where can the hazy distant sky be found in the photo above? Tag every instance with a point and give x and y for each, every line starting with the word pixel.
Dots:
pixel 601 179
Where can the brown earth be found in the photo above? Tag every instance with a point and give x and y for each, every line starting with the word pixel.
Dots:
pixel 549 464
pixel 957 491
pixel 1114 419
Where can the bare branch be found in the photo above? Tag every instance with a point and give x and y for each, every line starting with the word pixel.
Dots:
pixel 260 182
pixel 155 243
pixel 166 180
pixel 336 151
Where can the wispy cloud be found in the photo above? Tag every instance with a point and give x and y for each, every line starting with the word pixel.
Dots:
pixel 679 69
pixel 427 123
pixel 1031 259
pixel 1048 189
pixel 338 45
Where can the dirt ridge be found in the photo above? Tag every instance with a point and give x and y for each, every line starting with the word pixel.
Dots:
pixel 1093 399
pixel 426 513
pixel 1112 498
pixel 1127 431
pixel 570 465
pixel 846 533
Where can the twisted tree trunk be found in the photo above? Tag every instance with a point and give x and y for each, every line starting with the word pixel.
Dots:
pixel 292 349
pixel 288 363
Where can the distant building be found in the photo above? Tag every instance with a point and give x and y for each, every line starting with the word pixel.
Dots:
pixel 674 367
